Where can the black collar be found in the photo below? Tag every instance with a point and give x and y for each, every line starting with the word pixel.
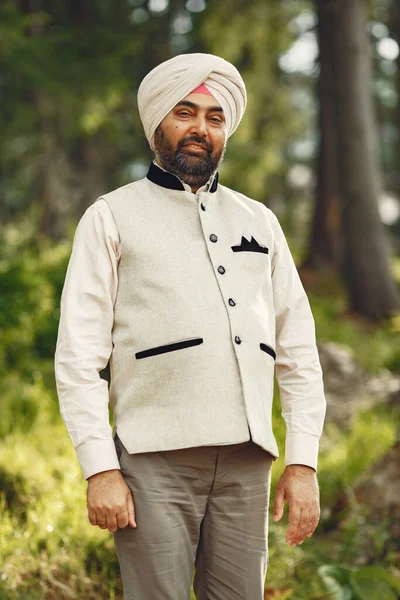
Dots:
pixel 170 181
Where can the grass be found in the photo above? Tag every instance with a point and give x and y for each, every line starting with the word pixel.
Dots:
pixel 48 547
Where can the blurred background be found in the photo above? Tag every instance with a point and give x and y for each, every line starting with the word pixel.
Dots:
pixel 319 145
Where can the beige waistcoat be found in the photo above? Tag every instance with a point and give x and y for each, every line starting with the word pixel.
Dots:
pixel 208 300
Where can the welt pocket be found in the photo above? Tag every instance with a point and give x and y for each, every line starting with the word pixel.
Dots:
pixel 179 345
pixel 268 350
pixel 260 250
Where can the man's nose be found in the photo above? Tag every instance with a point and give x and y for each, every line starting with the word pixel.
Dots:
pixel 199 126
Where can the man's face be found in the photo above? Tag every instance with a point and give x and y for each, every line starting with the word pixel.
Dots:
pixel 190 141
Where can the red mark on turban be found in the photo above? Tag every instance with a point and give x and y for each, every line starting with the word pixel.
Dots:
pixel 202 89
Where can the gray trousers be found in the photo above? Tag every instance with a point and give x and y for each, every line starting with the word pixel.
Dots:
pixel 204 507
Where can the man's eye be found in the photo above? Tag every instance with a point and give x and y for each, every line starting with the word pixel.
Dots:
pixel 184 113
pixel 216 120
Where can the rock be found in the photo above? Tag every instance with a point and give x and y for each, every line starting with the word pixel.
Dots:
pixel 349 388
pixel 394 400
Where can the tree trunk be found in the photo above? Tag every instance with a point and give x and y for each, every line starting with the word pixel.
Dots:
pixel 323 250
pixel 394 26
pixel 365 261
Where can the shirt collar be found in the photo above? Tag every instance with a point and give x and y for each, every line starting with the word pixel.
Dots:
pixel 164 178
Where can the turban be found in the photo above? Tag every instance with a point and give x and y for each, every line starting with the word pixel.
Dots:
pixel 172 80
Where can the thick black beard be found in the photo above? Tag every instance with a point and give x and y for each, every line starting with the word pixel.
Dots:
pixel 192 168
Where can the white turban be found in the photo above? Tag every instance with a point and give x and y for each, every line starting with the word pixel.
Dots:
pixel 171 81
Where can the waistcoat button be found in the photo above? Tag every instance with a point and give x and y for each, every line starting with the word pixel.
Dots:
pixel 221 270
pixel 202 206
pixel 238 340
pixel 213 237
pixel 231 302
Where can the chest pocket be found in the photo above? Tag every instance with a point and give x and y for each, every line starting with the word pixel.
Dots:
pixel 252 259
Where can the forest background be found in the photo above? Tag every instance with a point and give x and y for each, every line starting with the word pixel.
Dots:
pixel 319 144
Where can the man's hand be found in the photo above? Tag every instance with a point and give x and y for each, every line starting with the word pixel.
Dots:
pixel 109 501
pixel 298 485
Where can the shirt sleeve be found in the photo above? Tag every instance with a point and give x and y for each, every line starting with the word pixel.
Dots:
pixel 84 341
pixel 298 368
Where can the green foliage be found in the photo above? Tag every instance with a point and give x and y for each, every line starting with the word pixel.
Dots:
pixel 46 542
pixel 364 583
pixel 345 454
pixel 31 278
pixel 392 362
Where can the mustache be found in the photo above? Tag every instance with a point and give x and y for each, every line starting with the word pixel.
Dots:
pixel 197 140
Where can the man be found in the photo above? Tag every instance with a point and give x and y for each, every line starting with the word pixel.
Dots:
pixel 190 290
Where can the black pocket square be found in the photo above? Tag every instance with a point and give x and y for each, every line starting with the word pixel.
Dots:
pixel 252 246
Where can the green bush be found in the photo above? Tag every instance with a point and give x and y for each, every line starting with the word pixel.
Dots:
pixel 31 276
pixel 363 583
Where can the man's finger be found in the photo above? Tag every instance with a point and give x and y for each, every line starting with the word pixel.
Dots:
pixel 131 511
pixel 101 521
pixel 294 519
pixel 311 521
pixel 303 527
pixel 112 523
pixel 92 517
pixel 122 519
pixel 314 524
pixel 278 503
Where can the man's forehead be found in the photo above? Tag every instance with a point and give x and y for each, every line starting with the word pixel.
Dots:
pixel 202 101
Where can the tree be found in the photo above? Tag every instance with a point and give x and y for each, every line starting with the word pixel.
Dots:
pixel 394 24
pixel 365 253
pixel 323 250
